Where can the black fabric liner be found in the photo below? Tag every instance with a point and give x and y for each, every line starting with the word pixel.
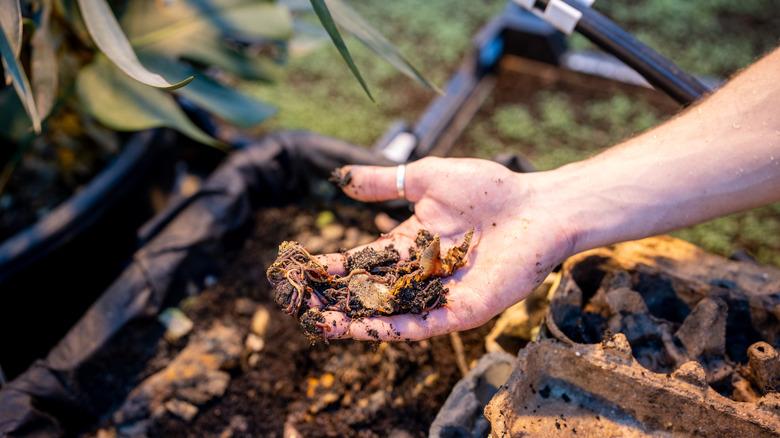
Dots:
pixel 56 395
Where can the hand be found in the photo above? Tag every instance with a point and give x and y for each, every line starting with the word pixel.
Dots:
pixel 515 246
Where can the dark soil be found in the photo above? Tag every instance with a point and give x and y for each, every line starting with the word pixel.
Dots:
pixel 290 386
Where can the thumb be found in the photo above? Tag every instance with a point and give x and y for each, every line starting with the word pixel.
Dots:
pixel 377 183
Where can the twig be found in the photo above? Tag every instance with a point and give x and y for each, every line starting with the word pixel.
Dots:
pixel 460 357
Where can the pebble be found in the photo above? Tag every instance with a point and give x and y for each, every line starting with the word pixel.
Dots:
pixel 253 360
pixel 245 306
pixel 260 321
pixel 176 324
pixel 182 409
pixel 237 427
pixel 254 343
pixel 332 232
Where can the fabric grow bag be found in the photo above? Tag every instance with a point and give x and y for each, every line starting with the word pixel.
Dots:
pixel 83 243
pixel 55 396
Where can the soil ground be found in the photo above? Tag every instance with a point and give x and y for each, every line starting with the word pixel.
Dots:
pixel 346 388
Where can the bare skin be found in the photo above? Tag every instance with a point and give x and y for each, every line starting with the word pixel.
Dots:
pixel 719 157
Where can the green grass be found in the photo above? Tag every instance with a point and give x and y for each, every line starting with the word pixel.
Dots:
pixel 714 38
pixel 320 94
pixel 552 128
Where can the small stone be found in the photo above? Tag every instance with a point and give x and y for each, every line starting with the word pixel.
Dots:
pixel 260 321
pixel 253 360
pixel 254 343
pixel 176 324
pixel 332 232
pixel 217 383
pixel 315 244
pixel 245 306
pixel 182 409
pixel 106 433
pixel 351 237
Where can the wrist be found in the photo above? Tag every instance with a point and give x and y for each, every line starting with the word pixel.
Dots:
pixel 597 205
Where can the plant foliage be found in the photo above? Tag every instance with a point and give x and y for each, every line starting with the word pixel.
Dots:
pixel 130 63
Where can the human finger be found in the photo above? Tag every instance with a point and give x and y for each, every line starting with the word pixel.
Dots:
pixel 377 183
pixel 335 325
pixel 406 327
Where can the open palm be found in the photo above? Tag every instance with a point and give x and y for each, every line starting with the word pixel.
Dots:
pixel 515 245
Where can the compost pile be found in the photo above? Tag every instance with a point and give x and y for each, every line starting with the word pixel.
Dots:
pixel 651 338
pixel 700 308
pixel 233 364
pixel 378 282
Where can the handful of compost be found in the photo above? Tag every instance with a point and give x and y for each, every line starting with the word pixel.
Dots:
pixel 377 283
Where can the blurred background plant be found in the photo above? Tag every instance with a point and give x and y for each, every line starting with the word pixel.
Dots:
pixel 76 76
pixel 80 72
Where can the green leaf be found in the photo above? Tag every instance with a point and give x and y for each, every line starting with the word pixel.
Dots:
pixel 43 58
pixel 353 23
pixel 120 103
pixel 11 24
pixel 15 124
pixel 197 30
pixel 152 21
pixel 205 50
pixel 14 69
pixel 105 31
pixel 321 9
pixel 212 96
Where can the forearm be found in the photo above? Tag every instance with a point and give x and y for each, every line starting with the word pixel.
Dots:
pixel 717 158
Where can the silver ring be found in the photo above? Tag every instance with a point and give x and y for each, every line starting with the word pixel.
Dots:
pixel 400 173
